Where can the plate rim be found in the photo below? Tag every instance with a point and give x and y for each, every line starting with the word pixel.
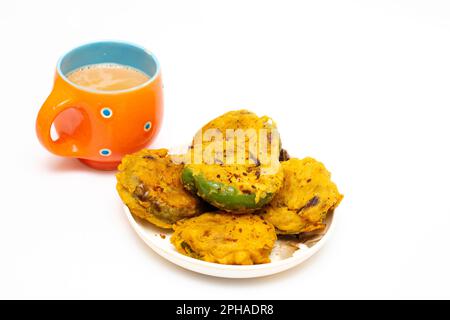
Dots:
pixel 276 266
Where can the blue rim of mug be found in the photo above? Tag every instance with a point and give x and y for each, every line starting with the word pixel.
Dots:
pixel 125 43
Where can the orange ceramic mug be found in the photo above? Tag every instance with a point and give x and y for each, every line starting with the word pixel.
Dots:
pixel 100 127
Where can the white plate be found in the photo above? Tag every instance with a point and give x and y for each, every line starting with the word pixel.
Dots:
pixel 283 256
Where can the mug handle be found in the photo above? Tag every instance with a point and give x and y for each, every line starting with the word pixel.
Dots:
pixel 65 145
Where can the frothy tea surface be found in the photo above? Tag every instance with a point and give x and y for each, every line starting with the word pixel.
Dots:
pixel 108 77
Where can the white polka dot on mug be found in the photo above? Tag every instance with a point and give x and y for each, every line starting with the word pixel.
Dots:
pixel 105 152
pixel 106 113
pixel 147 126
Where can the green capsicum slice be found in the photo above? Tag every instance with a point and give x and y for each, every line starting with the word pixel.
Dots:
pixel 235 188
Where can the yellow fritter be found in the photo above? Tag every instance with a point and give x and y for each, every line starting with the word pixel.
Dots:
pixel 307 196
pixel 235 188
pixel 149 184
pixel 245 139
pixel 232 166
pixel 225 238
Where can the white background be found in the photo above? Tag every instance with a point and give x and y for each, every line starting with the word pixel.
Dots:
pixel 361 85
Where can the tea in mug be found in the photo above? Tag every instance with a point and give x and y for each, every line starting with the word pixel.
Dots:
pixel 108 77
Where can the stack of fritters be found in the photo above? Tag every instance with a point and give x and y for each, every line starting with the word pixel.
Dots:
pixel 255 197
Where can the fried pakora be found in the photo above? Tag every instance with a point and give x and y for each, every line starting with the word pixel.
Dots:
pixel 236 188
pixel 236 171
pixel 307 196
pixel 149 184
pixel 225 238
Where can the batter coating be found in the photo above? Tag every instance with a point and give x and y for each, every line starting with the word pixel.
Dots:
pixel 236 188
pixel 305 199
pixel 236 177
pixel 149 184
pixel 257 130
pixel 225 238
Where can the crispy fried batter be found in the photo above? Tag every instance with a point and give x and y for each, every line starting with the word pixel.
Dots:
pixel 241 162
pixel 306 197
pixel 149 184
pixel 246 179
pixel 225 238
pixel 232 126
